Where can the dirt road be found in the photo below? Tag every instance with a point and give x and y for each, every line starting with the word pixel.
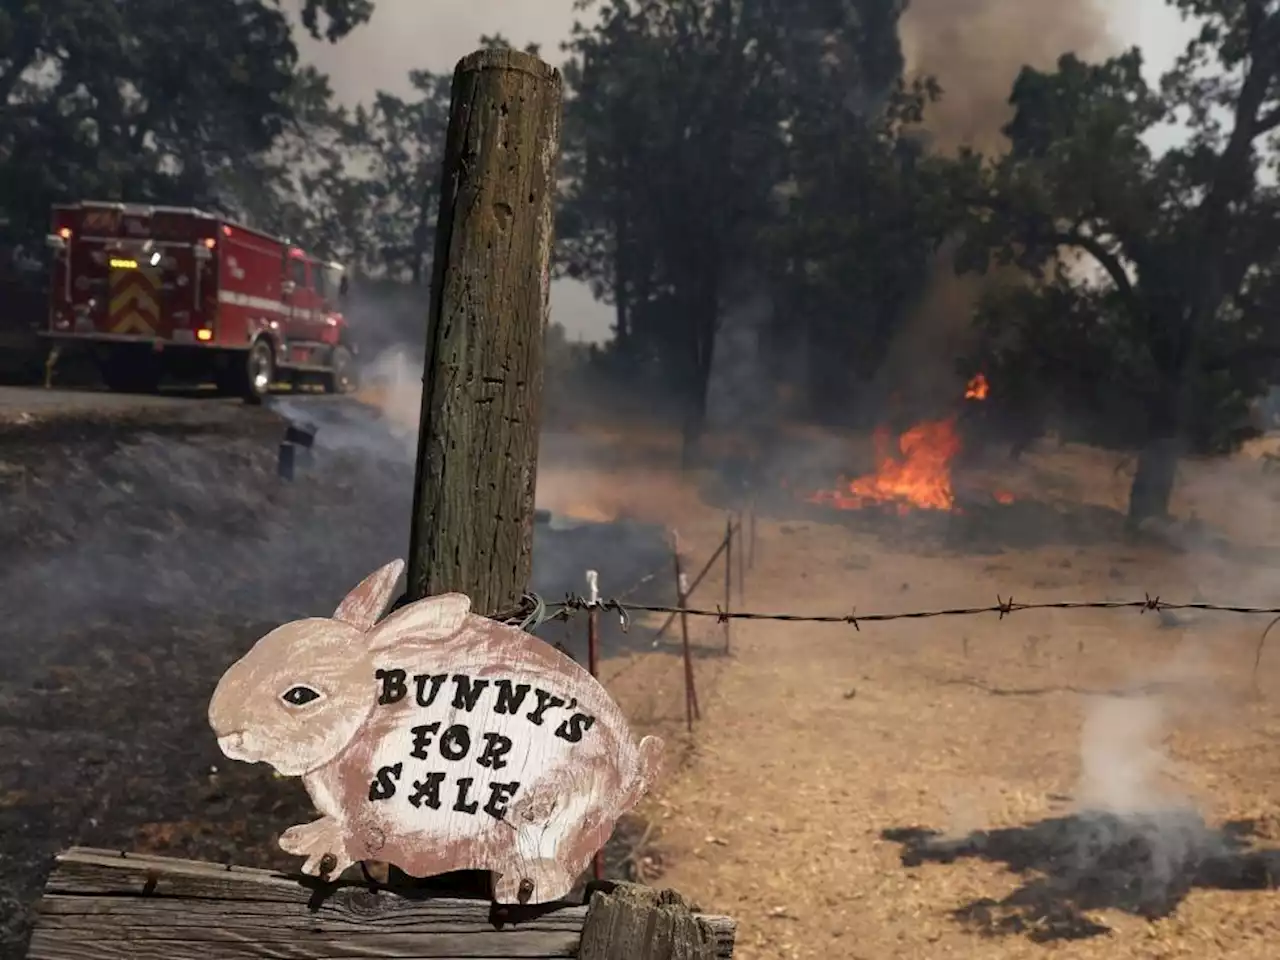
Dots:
pixel 15 401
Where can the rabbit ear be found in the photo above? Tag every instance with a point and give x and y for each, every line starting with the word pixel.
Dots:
pixel 433 618
pixel 366 603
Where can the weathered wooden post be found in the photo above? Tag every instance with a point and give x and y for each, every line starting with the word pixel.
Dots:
pixel 593 668
pixel 482 378
pixel 728 580
pixel 741 529
pixel 691 711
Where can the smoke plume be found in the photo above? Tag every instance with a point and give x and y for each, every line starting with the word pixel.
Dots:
pixel 975 49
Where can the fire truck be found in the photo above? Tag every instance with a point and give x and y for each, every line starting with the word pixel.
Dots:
pixel 155 292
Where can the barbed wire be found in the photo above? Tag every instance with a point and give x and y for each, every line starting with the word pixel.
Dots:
pixel 535 608
pixel 573 604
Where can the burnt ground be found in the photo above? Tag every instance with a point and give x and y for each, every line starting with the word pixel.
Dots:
pixel 143 550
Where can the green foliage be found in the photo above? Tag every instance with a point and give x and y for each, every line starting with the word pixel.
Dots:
pixel 340 17
pixel 1164 324
pixel 864 218
pixel 716 146
pixel 128 101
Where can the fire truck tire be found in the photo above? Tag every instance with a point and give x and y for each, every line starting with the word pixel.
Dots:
pixel 342 375
pixel 259 372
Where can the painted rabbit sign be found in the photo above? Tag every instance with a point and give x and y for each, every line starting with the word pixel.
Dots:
pixel 435 740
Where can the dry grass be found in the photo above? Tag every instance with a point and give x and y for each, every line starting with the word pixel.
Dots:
pixel 917 788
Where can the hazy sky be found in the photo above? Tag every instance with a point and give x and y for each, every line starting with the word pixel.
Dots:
pixel 435 34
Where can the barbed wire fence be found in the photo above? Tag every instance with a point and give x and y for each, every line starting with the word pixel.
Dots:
pixel 740 531
pixel 536 612
pixel 737 525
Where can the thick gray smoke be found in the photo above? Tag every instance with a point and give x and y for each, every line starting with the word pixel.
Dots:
pixel 975 48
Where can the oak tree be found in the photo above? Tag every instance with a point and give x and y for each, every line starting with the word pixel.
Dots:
pixel 1176 301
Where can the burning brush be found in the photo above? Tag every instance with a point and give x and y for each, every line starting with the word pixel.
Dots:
pixel 917 474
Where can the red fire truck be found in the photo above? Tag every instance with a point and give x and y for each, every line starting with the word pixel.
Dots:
pixel 167 291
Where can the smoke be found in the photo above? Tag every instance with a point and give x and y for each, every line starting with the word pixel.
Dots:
pixel 975 49
pixel 1123 762
pixel 739 387
pixel 1134 813
pixel 406 35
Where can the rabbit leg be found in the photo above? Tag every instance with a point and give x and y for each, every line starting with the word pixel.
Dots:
pixel 323 842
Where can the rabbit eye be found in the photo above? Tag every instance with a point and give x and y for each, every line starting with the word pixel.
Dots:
pixel 300 696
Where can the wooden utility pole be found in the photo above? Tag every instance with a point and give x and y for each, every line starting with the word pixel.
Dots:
pixel 472 525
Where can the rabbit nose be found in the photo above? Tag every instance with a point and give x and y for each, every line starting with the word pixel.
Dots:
pixel 232 746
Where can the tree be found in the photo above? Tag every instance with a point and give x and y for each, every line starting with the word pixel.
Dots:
pixel 852 251
pixel 405 140
pixel 363 187
pixel 127 101
pixel 340 16
pixel 313 184
pixel 1185 242
pixel 679 138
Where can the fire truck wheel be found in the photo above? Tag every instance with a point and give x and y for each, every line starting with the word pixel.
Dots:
pixel 342 376
pixel 259 371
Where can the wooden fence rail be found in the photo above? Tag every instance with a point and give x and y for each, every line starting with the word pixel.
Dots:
pixel 105 905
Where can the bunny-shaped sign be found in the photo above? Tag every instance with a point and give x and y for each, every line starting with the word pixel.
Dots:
pixel 435 740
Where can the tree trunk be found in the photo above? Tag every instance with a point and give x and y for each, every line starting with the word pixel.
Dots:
pixel 692 430
pixel 702 352
pixel 472 524
pixel 1153 480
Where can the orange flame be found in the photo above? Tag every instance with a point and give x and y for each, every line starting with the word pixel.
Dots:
pixel 977 388
pixel 915 476
pixel 918 475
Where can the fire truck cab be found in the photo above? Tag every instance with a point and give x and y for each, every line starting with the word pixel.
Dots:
pixel 168 291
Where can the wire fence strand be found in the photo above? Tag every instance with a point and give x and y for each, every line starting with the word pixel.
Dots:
pixel 572 605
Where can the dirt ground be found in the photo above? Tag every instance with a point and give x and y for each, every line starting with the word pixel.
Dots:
pixel 1090 783
pixel 1087 783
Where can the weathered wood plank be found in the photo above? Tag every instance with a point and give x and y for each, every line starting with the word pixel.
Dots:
pixel 633 921
pixel 103 905
pixel 472 528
